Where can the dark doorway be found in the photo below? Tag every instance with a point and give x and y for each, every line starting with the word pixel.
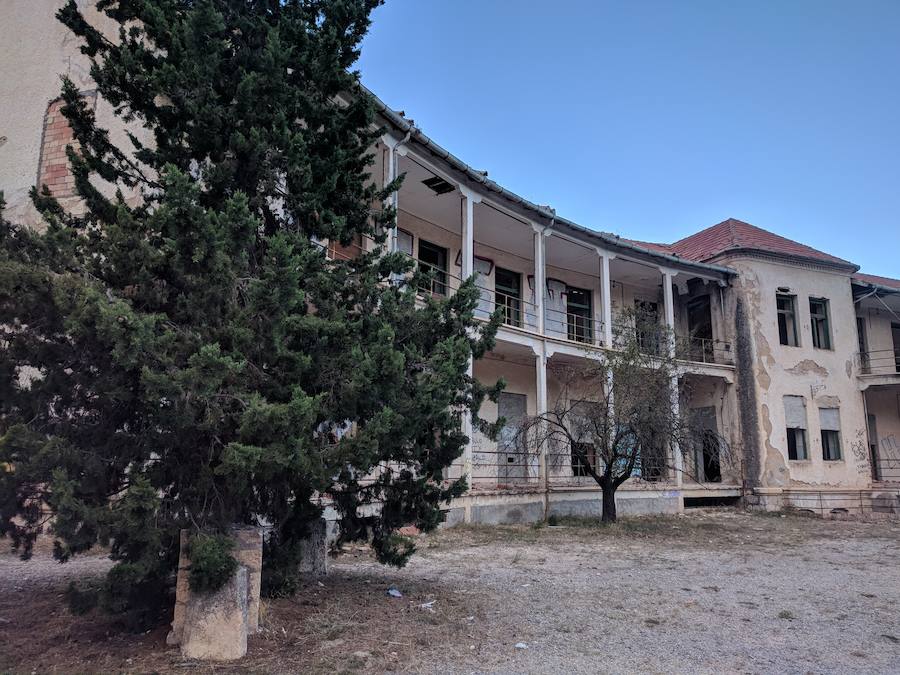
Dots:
pixel 706 451
pixel 873 447
pixel 700 330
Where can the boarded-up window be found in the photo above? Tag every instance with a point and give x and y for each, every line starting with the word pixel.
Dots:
pixel 795 412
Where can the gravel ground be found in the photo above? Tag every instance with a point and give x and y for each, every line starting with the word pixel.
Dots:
pixel 712 591
pixel 708 592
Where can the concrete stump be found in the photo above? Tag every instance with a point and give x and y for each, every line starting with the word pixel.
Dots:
pixel 248 552
pixel 215 624
pixel 203 623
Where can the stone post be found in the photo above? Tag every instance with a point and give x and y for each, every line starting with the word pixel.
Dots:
pixel 215 626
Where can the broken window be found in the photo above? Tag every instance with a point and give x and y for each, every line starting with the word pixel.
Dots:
pixel 578 309
pixel 433 259
pixel 585 422
pixel 583 456
pixel 818 320
pixel 508 286
pixel 830 424
pixel 795 421
pixel 787 319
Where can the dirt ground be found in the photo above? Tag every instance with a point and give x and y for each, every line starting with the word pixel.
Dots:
pixel 711 591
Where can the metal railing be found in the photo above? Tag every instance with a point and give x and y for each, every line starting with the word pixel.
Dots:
pixel 704 350
pixel 879 361
pixel 652 340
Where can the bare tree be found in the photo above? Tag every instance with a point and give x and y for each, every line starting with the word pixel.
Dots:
pixel 615 415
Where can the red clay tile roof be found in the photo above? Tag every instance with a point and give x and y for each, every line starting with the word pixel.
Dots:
pixel 652 246
pixel 735 235
pixel 879 281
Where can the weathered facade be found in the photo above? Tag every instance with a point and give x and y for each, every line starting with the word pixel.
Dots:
pixel 790 354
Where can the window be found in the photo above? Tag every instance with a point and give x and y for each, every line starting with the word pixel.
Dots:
pixel 818 320
pixel 795 421
pixel 787 319
pixel 583 455
pixel 830 424
pixel 404 242
pixel 509 296
pixel 582 424
pixel 578 311
pixel 433 259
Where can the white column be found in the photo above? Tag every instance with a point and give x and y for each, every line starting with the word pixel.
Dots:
pixel 669 304
pixel 541 409
pixel 393 146
pixel 467 248
pixel 468 231
pixel 606 297
pixel 540 274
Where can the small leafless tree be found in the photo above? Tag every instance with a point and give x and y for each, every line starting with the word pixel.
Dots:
pixel 615 417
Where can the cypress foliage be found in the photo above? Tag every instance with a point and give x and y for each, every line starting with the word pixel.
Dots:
pixel 193 361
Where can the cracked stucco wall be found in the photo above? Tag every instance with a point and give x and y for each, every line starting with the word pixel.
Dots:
pixel 767 371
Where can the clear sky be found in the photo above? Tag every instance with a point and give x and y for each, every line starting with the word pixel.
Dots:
pixel 655 119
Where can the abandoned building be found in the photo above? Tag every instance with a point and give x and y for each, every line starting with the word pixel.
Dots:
pixel 792 355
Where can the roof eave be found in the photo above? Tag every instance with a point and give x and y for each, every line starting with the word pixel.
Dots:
pixel 405 126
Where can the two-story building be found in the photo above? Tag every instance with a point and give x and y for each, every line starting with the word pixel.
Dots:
pixel 790 354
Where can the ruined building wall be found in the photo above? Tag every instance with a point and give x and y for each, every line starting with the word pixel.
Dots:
pixel 768 371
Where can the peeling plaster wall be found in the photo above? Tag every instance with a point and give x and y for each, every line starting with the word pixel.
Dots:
pixel 824 378
pixel 35 50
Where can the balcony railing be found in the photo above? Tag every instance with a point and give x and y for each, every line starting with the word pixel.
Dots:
pixel 879 361
pixel 704 350
pixel 522 314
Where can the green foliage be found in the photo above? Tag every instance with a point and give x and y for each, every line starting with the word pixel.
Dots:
pixel 211 562
pixel 181 353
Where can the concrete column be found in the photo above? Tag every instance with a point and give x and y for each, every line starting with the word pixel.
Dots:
pixel 669 306
pixel 606 297
pixel 468 231
pixel 669 303
pixel 540 274
pixel 541 409
pixel 396 149
pixel 467 247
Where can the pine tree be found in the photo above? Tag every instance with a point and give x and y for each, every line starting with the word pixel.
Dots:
pixel 194 361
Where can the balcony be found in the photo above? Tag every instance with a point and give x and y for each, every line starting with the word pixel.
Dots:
pixel 879 362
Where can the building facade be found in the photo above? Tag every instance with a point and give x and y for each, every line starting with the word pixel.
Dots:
pixel 790 354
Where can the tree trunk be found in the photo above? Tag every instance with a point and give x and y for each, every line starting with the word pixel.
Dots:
pixel 608 512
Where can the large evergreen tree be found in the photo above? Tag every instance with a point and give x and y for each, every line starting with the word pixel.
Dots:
pixel 197 360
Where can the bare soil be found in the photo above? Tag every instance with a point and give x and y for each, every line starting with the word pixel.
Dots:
pixel 711 591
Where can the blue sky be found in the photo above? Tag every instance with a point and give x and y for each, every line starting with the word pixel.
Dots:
pixel 655 119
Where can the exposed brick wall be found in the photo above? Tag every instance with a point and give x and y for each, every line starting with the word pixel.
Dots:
pixel 53 170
